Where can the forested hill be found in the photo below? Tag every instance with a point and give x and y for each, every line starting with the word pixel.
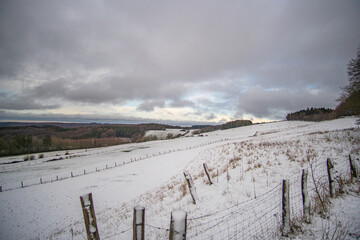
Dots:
pixel 312 114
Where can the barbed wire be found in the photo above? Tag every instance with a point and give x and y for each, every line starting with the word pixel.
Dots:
pixel 119 233
pixel 259 218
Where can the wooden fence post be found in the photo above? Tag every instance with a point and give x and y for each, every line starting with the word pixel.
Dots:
pixel 285 208
pixel 89 217
pixel 139 223
pixel 178 225
pixel 305 196
pixel 191 186
pixel 207 173
pixel 330 167
pixel 352 168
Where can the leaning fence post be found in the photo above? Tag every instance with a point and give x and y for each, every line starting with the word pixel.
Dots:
pixel 305 196
pixel 352 168
pixel 89 217
pixel 330 167
pixel 178 225
pixel 285 208
pixel 191 186
pixel 207 173
pixel 139 223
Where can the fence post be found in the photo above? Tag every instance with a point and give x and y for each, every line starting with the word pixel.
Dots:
pixel 191 186
pixel 89 217
pixel 22 184
pixel 139 223
pixel 305 196
pixel 178 225
pixel 352 168
pixel 330 167
pixel 207 173
pixel 285 208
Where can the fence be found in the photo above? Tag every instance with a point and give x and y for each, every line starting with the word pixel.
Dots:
pixel 269 216
pixel 82 172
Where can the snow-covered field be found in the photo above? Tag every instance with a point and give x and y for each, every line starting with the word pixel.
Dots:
pixel 251 162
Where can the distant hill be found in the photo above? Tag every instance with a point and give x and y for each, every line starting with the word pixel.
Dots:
pixel 232 124
pixel 27 137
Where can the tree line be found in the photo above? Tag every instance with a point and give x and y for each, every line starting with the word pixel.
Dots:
pixel 349 100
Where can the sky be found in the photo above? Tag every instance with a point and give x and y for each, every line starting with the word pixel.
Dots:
pixel 176 62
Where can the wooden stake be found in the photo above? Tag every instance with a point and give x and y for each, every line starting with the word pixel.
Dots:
pixel 207 173
pixel 89 217
pixel 191 186
pixel 139 223
pixel 285 208
pixel 305 196
pixel 178 225
pixel 353 171
pixel 330 168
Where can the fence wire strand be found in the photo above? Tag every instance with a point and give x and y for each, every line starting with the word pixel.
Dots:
pixel 259 218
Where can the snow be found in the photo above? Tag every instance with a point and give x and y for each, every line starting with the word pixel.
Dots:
pixel 150 174
pixel 179 224
pixel 163 134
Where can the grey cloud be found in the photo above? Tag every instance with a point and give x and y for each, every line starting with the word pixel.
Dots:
pixel 182 103
pixel 276 103
pixel 100 118
pixel 210 116
pixel 163 50
pixel 23 103
pixel 150 106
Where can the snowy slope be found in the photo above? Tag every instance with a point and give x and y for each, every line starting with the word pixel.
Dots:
pixel 251 161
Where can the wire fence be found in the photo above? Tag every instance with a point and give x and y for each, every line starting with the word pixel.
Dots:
pixel 259 218
pixel 90 170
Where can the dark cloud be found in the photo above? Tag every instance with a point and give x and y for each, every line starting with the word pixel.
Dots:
pixel 150 105
pixel 22 103
pixel 95 52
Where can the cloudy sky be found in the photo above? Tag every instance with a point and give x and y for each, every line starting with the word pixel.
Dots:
pixel 172 61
